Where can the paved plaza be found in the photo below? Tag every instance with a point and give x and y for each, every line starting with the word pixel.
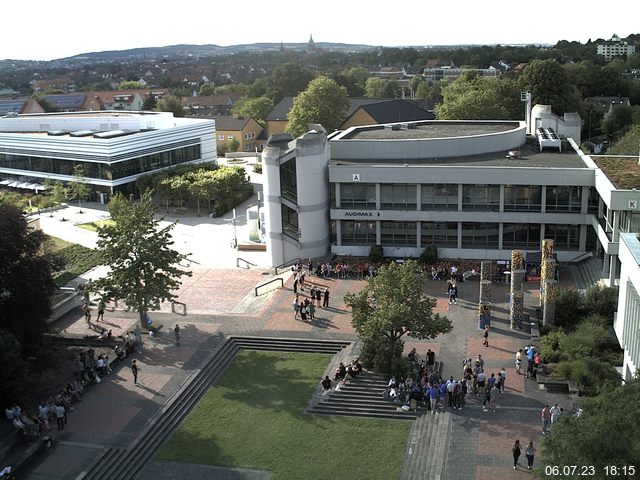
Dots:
pixel 221 301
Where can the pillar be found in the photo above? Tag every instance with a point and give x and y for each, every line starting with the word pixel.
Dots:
pixel 549 310
pixel 517 287
pixel 546 253
pixel 484 304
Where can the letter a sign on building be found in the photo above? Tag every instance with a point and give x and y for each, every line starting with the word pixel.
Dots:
pixel 356 177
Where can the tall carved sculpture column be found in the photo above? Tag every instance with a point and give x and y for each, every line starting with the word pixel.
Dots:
pixel 484 306
pixel 546 253
pixel 549 309
pixel 517 288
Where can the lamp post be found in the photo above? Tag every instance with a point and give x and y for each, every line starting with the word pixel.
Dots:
pixel 235 236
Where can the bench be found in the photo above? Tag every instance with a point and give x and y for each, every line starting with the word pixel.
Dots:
pixel 252 247
pixel 555 385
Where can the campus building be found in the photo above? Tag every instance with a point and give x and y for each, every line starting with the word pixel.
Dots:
pixel 627 323
pixel 114 148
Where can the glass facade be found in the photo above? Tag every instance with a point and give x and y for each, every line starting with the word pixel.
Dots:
pixel 520 235
pixel 439 196
pixel 398 196
pixel 522 198
pixel 565 237
pixel 399 234
pixel 480 235
pixel 288 180
pixel 358 233
pixel 481 197
pixel 102 170
pixel 564 199
pixel 289 222
pixel 439 234
pixel 358 195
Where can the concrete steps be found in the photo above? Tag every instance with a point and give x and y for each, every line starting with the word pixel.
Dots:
pixel 361 397
pixel 588 273
pixel 428 446
pixel 124 464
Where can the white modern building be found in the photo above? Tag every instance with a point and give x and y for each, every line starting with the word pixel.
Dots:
pixel 615 47
pixel 115 148
pixel 627 323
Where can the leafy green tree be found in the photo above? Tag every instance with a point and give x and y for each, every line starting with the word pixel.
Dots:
pixel 390 306
pixel 602 301
pixel 323 102
pixel 628 144
pixel 619 120
pixel 381 88
pixel 258 88
pixel 143 268
pixel 287 80
pixel 149 103
pixel 240 88
pixel 548 83
pixel 130 85
pixel 353 79
pixel 258 108
pixel 78 188
pixel 569 307
pixel 26 283
pixel 171 103
pixel 472 97
pixel 207 89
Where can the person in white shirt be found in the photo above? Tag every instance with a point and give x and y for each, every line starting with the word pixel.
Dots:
pixel 555 413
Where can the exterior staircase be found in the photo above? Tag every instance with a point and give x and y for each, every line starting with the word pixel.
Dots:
pixel 428 446
pixel 361 397
pixel 587 273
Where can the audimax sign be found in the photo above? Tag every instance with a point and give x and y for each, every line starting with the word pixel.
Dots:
pixel 362 214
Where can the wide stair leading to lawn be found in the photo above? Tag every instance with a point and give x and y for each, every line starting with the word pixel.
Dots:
pixel 126 463
pixel 587 273
pixel 428 446
pixel 361 397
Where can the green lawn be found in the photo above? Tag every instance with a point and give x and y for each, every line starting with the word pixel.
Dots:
pixel 93 226
pixel 76 259
pixel 254 418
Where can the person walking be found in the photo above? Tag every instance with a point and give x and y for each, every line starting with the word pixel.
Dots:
pixel 485 334
pixel 516 453
pixel 545 417
pixel 493 398
pixel 312 311
pixel 296 307
pixel 529 453
pixel 60 414
pixel 176 332
pixel 519 362
pixel 101 306
pixel 134 370
pixel 86 310
pixel 325 301
pixel 554 413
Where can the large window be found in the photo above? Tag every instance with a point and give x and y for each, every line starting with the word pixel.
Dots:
pixel 481 197
pixel 439 196
pixel 358 233
pixel 480 235
pixel 399 234
pixel 520 235
pixel 398 196
pixel 439 234
pixel 288 180
pixel 629 222
pixel 565 237
pixel 522 198
pixel 564 199
pixel 358 195
pixel 290 222
pixel 594 197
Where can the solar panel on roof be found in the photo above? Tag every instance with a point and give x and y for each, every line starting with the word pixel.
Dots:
pixel 64 102
pixel 11 105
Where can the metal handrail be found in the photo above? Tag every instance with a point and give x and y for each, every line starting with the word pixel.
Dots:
pixel 267 283
pixel 287 264
pixel 247 262
pixel 585 255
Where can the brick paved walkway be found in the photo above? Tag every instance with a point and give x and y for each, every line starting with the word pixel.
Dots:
pixel 113 412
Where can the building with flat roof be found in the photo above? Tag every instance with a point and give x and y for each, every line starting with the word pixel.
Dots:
pixel 627 325
pixel 114 148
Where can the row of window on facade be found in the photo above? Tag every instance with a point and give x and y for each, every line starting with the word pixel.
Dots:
pixel 102 171
pixel 473 234
pixel 517 198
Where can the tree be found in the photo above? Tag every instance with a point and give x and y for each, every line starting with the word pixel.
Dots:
pixel 548 83
pixel 287 80
pixel 381 88
pixel 607 432
pixel 258 108
pixel 472 97
pixel 628 144
pixel 149 103
pixel 569 307
pixel 206 89
pixel 26 283
pixel 619 120
pixel 391 305
pixel 353 79
pixel 324 102
pixel 143 268
pixel 78 188
pixel 171 103
pixel 602 301
pixel 130 85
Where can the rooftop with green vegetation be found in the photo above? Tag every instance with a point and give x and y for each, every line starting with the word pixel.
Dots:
pixel 624 172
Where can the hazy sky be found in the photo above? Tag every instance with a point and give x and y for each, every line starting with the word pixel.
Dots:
pixel 44 29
